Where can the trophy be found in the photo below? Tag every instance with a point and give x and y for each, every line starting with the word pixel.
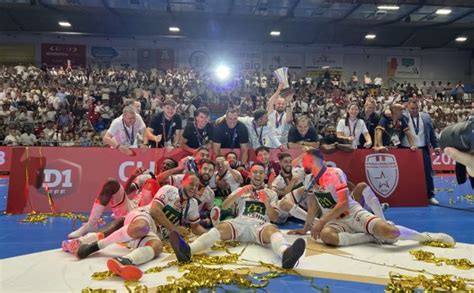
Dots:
pixel 282 75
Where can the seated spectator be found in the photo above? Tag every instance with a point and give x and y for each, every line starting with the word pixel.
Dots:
pixel 351 128
pixel 302 135
pixel 28 138
pixel 12 139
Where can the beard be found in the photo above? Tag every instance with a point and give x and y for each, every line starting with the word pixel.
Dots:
pixel 287 170
pixel 307 171
pixel 204 179
pixel 330 139
pixel 233 164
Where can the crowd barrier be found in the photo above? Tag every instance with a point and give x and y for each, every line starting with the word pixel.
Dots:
pixel 74 176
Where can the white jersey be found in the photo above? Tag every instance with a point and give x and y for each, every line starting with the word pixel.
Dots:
pixel 280 182
pixel 174 208
pixel 121 204
pixel 280 126
pixel 249 206
pixel 325 190
pixel 205 195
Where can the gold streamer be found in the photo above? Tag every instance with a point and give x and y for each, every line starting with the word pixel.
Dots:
pixel 429 257
pixel 98 290
pixel 404 283
pixel 34 217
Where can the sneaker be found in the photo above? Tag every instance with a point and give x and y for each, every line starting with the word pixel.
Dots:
pixel 384 206
pixel 440 237
pixel 433 201
pixel 124 268
pixel 293 253
pixel 71 245
pixel 87 249
pixel 180 247
pixel 83 230
pixel 215 216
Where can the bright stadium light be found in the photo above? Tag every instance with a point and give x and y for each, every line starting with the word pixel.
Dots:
pixel 461 39
pixel 370 36
pixel 222 72
pixel 64 24
pixel 443 11
pixel 388 7
pixel 275 33
pixel 174 29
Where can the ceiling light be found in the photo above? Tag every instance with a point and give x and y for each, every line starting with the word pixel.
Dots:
pixel 325 67
pixel 370 36
pixel 275 33
pixel 388 7
pixel 461 39
pixel 174 29
pixel 64 24
pixel 443 11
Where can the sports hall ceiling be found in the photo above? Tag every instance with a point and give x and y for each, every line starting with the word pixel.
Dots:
pixel 415 23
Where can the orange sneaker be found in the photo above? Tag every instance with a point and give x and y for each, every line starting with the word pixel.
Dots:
pixel 124 268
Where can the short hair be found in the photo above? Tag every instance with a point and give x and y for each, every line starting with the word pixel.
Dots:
pixel 261 148
pixel 231 153
pixel 257 164
pixel 259 114
pixel 169 102
pixel 303 119
pixel 370 101
pixel 128 109
pixel 232 111
pixel 203 110
pixel 187 175
pixel 206 161
pixel 281 156
pixel 202 148
pixel 315 153
pixel 175 163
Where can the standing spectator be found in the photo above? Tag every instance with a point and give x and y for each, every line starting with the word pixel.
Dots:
pixel 231 134
pixel 302 135
pixel 331 143
pixel 354 81
pixel 422 128
pixel 391 130
pixel 371 119
pixel 280 115
pixel 124 130
pixel 367 81
pixel 460 92
pixel 260 134
pixel 351 128
pixel 165 127
pixel 199 133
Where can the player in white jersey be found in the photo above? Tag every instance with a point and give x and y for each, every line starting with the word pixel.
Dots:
pixel 255 207
pixel 170 209
pixel 344 221
pixel 116 195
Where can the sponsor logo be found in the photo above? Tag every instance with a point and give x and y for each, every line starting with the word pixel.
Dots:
pixel 382 173
pixel 62 178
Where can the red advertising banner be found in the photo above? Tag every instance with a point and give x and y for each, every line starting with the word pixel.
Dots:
pixel 74 176
pixel 442 163
pixel 5 159
pixel 58 54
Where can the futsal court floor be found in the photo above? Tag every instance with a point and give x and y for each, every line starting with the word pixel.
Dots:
pixel 31 259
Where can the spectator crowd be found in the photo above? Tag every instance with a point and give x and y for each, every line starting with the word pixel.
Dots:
pixel 75 107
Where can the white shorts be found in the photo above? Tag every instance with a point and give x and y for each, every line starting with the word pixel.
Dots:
pixel 296 199
pixel 121 204
pixel 141 214
pixel 358 220
pixel 247 230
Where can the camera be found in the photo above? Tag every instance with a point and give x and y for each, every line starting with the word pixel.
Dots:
pixel 459 136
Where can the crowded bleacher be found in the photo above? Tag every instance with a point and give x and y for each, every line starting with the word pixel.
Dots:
pixel 75 107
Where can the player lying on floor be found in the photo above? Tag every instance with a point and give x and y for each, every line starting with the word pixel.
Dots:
pixel 344 221
pixel 255 207
pixel 145 227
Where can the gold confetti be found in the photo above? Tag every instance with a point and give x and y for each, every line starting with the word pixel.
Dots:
pixel 429 257
pixel 35 217
pixel 438 244
pixel 438 283
pixel 100 276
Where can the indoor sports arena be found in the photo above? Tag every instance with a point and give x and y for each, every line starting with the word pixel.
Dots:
pixel 236 145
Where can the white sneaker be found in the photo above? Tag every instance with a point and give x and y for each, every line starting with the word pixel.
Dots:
pixel 440 237
pixel 84 229
pixel 433 201
pixel 215 216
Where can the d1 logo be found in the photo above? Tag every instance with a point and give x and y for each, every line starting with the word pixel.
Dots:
pixel 61 178
pixel 382 173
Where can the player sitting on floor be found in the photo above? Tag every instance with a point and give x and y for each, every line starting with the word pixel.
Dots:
pixel 170 210
pixel 256 207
